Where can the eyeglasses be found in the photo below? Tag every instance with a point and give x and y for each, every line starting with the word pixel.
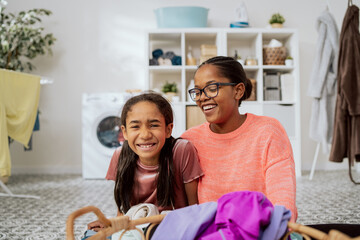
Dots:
pixel 210 90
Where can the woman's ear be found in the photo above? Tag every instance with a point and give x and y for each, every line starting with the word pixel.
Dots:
pixel 169 129
pixel 123 130
pixel 239 91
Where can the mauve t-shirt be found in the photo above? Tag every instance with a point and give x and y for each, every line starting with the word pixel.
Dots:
pixel 186 169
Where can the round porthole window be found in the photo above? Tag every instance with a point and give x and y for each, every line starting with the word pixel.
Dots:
pixel 109 132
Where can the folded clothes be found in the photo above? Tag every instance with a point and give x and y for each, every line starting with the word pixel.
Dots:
pixel 157 53
pixel 176 60
pixel 142 210
pixel 153 62
pixel 135 212
pixel 170 55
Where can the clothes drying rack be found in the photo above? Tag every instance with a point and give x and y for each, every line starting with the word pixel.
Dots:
pixel 314 161
pixel 43 81
pixel 10 194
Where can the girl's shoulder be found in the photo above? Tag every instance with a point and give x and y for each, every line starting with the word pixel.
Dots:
pixel 182 145
pixel 186 162
pixel 183 150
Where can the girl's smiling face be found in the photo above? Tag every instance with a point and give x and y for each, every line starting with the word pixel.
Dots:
pixel 222 108
pixel 146 131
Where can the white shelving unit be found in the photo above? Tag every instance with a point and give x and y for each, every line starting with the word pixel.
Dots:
pixel 247 42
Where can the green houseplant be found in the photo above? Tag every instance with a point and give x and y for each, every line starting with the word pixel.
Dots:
pixel 276 20
pixel 169 87
pixel 170 90
pixel 22 38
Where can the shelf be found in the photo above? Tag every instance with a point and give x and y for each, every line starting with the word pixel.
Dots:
pixel 278 103
pixel 164 68
pixel 251 68
pixel 191 67
pixel 247 42
pixel 277 67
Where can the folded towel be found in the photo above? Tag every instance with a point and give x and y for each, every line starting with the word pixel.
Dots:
pixel 142 210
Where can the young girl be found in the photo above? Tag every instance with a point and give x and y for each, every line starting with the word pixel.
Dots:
pixel 151 166
pixel 238 152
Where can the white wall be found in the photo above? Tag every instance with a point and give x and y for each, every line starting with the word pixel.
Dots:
pixel 100 47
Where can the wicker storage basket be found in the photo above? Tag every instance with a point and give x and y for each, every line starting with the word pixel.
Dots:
pixel 274 56
pixel 124 223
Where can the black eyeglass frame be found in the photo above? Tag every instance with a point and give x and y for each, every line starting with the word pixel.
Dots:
pixel 203 89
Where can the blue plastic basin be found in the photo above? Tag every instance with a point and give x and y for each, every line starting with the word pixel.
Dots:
pixel 181 17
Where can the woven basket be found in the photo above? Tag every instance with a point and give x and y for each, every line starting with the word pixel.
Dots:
pixel 124 223
pixel 274 56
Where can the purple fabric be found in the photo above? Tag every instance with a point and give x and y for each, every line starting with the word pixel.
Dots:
pixel 187 222
pixel 240 215
pixel 278 223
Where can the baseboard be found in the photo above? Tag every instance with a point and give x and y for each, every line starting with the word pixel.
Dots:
pixel 46 170
pixel 333 166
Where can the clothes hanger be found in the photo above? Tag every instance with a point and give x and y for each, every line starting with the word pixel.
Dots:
pixel 350 3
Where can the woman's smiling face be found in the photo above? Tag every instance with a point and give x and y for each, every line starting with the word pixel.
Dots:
pixel 146 131
pixel 217 110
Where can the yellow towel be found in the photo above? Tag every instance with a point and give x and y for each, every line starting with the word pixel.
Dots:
pixel 19 100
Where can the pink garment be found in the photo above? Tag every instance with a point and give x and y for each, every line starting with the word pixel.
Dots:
pixel 186 169
pixel 255 157
pixel 240 215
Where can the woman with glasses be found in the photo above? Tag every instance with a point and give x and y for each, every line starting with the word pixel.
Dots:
pixel 238 152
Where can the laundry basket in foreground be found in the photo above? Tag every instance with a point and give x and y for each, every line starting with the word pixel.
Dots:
pixel 122 222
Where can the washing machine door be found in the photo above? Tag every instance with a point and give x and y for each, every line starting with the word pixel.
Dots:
pixel 108 132
pixel 101 136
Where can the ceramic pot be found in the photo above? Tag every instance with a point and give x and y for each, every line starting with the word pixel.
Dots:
pixel 289 62
pixel 170 95
pixel 276 25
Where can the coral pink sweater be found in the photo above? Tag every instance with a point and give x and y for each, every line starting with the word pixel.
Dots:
pixel 255 157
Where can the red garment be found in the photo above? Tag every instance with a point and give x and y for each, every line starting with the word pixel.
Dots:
pixel 186 169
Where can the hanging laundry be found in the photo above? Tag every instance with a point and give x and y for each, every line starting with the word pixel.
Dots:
pixel 37 122
pixel 322 86
pixel 36 128
pixel 19 99
pixel 347 116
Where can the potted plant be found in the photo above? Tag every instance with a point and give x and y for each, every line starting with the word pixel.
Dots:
pixel 22 38
pixel 289 61
pixel 170 90
pixel 238 58
pixel 277 20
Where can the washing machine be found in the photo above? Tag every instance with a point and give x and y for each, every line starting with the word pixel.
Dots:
pixel 101 132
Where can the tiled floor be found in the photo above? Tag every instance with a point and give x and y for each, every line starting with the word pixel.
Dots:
pixel 329 198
